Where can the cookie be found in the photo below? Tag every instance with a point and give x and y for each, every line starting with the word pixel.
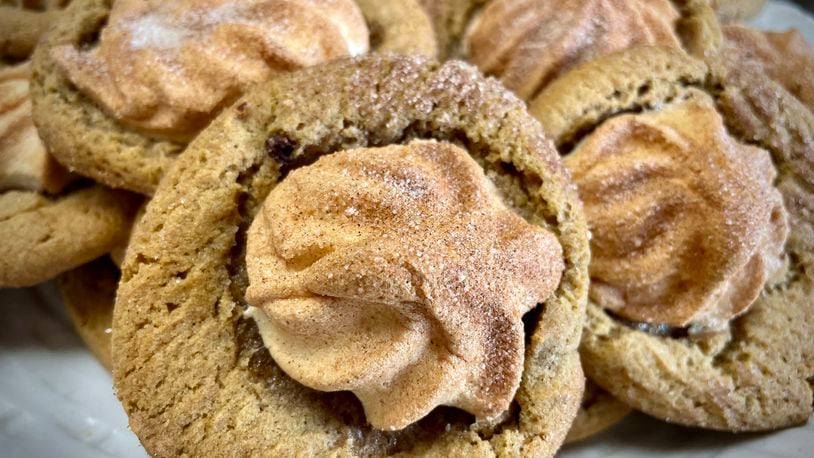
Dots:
pixel 48 222
pixel 529 43
pixel 130 140
pixel 737 10
pixel 89 292
pixel 731 368
pixel 192 372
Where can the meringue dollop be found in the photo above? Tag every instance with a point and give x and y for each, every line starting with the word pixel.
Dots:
pixel 528 43
pixel 687 224
pixel 397 273
pixel 168 67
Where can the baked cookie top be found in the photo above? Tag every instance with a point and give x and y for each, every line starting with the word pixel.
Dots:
pixel 179 322
pixel 680 238
pixel 123 128
pixel 706 376
pixel 416 281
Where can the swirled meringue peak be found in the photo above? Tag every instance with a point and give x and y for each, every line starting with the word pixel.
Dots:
pixel 528 43
pixel 397 273
pixel 167 67
pixel 687 224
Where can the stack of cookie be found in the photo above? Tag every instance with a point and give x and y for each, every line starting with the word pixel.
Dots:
pixel 345 247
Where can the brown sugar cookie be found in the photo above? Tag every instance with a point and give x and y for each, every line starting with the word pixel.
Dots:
pixel 89 292
pixel 193 373
pixel 731 354
pixel 126 129
pixel 47 224
pixel 737 10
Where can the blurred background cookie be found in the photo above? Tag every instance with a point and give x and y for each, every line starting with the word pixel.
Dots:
pixel 785 57
pixel 450 19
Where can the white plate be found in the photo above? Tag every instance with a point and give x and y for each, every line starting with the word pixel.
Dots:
pixel 56 400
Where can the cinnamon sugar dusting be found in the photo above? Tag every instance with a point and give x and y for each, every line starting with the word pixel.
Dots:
pixel 24 162
pixel 528 43
pixel 397 273
pixel 168 67
pixel 688 226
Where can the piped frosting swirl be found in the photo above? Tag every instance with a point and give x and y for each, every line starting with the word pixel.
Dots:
pixel 687 225
pixel 397 273
pixel 528 43
pixel 167 67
